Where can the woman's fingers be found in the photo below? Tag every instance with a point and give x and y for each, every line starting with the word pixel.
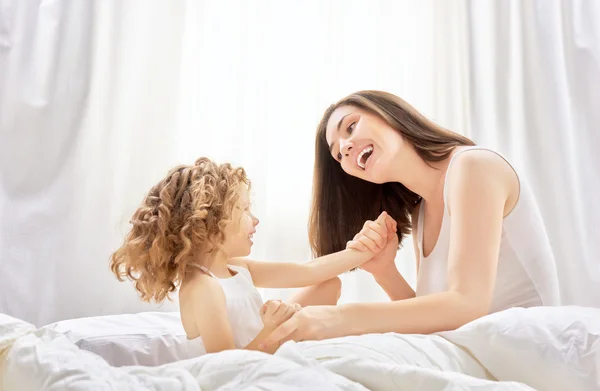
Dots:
pixel 272 306
pixel 391 227
pixel 265 307
pixel 374 234
pixel 369 243
pixel 377 233
pixel 381 218
pixel 382 230
pixel 290 310
pixel 356 245
pixel 281 333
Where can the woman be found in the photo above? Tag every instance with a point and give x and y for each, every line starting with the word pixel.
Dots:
pixel 480 243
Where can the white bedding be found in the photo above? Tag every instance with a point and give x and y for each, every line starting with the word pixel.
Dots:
pixel 518 349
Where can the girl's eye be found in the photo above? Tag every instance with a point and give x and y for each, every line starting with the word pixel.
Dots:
pixel 339 156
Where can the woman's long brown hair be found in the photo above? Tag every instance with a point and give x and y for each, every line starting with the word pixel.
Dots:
pixel 342 203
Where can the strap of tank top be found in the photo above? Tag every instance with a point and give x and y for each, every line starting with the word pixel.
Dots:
pixel 448 170
pixel 421 207
pixel 420 226
pixel 205 270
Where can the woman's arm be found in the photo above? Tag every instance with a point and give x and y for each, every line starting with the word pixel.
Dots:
pixel 478 191
pixel 383 266
pixel 294 275
pixel 273 313
pixel 390 279
pixel 394 285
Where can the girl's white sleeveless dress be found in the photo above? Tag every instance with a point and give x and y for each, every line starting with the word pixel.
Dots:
pixel 243 308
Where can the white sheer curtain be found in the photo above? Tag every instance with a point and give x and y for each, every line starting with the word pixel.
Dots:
pixel 88 114
pixel 256 80
pixel 99 99
pixel 534 86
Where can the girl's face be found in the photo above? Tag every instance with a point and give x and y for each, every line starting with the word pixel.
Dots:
pixel 363 143
pixel 238 233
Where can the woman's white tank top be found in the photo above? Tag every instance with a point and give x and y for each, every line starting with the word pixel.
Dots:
pixel 243 308
pixel 526 274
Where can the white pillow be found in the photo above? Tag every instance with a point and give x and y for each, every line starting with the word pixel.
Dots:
pixel 147 338
pixel 12 329
pixel 547 348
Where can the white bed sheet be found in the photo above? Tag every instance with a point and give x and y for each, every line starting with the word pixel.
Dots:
pixel 539 348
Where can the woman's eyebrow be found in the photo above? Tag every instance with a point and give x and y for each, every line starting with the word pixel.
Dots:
pixel 339 125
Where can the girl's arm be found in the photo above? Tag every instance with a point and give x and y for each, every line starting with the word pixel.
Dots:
pixel 295 275
pixel 478 190
pixel 210 316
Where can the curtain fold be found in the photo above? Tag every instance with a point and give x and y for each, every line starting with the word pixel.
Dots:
pixel 534 77
pixel 99 99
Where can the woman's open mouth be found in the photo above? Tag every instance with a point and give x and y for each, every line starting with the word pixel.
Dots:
pixel 363 156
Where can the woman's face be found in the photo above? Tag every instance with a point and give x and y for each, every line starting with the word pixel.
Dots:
pixel 363 143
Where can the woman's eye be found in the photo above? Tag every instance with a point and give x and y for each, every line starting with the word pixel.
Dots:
pixel 339 156
pixel 351 127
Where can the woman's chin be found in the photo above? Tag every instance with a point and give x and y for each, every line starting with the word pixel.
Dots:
pixel 372 175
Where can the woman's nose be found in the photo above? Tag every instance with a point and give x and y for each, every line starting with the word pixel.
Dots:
pixel 345 147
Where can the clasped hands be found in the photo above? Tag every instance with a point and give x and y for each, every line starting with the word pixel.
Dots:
pixel 291 322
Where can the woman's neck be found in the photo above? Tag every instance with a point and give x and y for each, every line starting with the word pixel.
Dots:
pixel 426 180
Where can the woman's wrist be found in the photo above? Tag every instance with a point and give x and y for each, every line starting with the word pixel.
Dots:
pixel 394 284
pixel 340 325
pixel 350 319
pixel 387 273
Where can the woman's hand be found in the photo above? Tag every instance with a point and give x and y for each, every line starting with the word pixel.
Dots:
pixel 275 312
pixel 384 260
pixel 380 238
pixel 310 323
pixel 374 235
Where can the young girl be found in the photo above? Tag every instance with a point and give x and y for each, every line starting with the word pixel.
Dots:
pixel 190 233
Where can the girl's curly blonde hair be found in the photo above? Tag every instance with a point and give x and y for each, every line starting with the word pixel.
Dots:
pixel 181 218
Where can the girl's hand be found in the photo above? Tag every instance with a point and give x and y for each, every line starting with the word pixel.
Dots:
pixel 374 234
pixel 310 323
pixel 275 312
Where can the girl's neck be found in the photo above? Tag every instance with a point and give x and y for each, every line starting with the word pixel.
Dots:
pixel 217 263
